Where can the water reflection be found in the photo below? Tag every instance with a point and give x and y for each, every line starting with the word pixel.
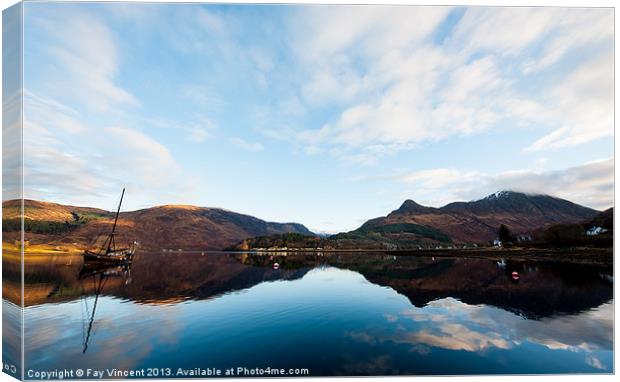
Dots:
pixel 543 289
pixel 476 328
pixel 99 274
pixel 335 314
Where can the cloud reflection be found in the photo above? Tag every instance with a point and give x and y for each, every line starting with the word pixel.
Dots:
pixel 450 324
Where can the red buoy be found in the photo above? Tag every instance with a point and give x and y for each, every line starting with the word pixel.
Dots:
pixel 515 275
pixel 276 266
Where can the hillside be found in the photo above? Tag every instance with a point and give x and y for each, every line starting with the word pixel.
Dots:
pixel 605 220
pixel 170 226
pixel 478 221
pixel 574 234
pixel 413 226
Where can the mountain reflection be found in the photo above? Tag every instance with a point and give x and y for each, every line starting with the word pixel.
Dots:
pixel 336 314
pixel 544 289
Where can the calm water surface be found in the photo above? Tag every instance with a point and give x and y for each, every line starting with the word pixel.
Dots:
pixel 339 314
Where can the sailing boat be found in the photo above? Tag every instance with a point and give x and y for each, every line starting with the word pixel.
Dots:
pixel 108 253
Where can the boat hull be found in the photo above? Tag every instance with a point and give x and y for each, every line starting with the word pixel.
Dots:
pixel 120 257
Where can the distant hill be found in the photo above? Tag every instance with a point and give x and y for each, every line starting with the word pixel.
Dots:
pixel 478 221
pixel 36 210
pixel 413 226
pixel 170 226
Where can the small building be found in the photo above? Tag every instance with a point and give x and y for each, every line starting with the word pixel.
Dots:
pixel 595 231
pixel 389 246
pixel 523 238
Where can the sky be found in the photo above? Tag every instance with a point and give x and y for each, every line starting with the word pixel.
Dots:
pixel 322 115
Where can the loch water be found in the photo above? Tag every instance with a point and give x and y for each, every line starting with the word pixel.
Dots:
pixel 316 314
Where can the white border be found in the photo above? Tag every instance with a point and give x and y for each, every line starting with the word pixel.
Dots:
pixel 570 3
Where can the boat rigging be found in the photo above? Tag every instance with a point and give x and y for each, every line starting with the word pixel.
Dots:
pixel 108 253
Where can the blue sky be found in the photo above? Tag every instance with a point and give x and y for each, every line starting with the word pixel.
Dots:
pixel 323 115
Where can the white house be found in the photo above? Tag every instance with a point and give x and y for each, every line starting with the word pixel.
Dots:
pixel 595 231
pixel 523 238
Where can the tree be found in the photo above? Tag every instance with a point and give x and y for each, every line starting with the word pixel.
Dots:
pixel 564 235
pixel 504 234
pixel 75 215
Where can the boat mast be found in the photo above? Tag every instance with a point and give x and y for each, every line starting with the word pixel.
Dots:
pixel 118 210
pixel 98 290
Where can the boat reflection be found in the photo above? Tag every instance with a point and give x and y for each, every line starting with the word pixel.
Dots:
pixel 99 273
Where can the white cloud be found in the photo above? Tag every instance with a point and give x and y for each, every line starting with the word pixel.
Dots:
pixel 373 29
pixel 198 130
pixel 360 82
pixel 137 155
pixel 571 30
pixel 590 184
pixel 86 165
pixel 11 144
pixel 53 113
pixel 246 145
pixel 194 29
pixel 330 53
pixel 51 170
pixel 83 68
pixel 583 104
pixel 392 86
pixel 388 84
pixel 477 79
pixel 503 30
pixel 407 113
pixel 439 178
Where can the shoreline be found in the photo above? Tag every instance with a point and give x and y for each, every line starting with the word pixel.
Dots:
pixel 573 255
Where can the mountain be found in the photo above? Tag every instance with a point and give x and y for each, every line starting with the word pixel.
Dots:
pixel 411 226
pixel 471 222
pixel 544 207
pixel 411 207
pixel 169 226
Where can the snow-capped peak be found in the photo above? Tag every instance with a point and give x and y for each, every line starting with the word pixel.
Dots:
pixel 498 195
